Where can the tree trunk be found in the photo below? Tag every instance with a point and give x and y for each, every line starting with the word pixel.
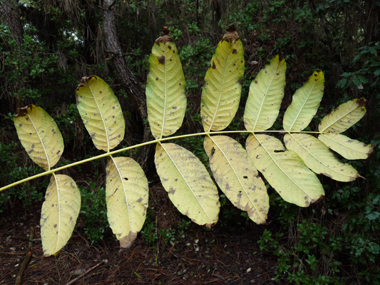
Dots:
pixel 10 16
pixel 125 75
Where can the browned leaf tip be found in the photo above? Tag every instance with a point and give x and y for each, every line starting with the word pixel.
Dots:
pixel 231 35
pixel 127 241
pixel 21 112
pixel 165 36
pixel 84 80
pixel 280 57
pixel 361 102
pixel 370 150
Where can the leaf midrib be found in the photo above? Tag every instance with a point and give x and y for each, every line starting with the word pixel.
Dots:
pixel 101 116
pixel 346 114
pixel 303 105
pixel 220 89
pixel 279 167
pixel 42 142
pixel 183 177
pixel 315 157
pixel 241 184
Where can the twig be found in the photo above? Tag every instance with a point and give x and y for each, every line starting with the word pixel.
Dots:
pixel 12 253
pixel 22 268
pixel 84 273
pixel 26 259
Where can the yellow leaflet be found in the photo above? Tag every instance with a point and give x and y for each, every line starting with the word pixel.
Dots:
pixel 59 213
pixel 165 90
pixel 188 183
pixel 305 103
pixel 127 198
pixel 238 180
pixel 101 112
pixel 318 157
pixel 343 117
pixel 346 147
pixel 265 96
pixel 39 135
pixel 222 89
pixel 284 170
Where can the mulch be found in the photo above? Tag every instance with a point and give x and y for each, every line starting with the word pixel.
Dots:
pixel 222 255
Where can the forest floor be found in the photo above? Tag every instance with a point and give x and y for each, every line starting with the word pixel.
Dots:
pixel 195 255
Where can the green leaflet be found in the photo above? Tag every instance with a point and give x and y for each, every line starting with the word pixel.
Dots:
pixel 346 147
pixel 236 177
pixel 318 158
pixel 222 88
pixel 165 91
pixel 39 135
pixel 343 117
pixel 305 103
pixel 101 112
pixel 188 183
pixel 284 170
pixel 265 96
pixel 59 213
pixel 127 198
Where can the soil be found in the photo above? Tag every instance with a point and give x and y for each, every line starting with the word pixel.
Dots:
pixel 226 254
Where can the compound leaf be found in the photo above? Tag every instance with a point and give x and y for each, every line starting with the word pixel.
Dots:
pixel 265 96
pixel 238 180
pixel 222 89
pixel 59 213
pixel 101 112
pixel 284 170
pixel 127 198
pixel 165 90
pixel 39 135
pixel 188 183
pixel 305 103
pixel 318 157
pixel 343 117
pixel 346 147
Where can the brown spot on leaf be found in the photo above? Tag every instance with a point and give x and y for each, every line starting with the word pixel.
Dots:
pixel 161 59
pixel 213 65
pixel 234 51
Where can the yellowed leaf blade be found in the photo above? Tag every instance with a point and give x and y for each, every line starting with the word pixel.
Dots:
pixel 101 112
pixel 165 90
pixel 318 157
pixel 346 147
pixel 127 198
pixel 284 170
pixel 188 183
pixel 222 89
pixel 39 135
pixel 265 96
pixel 305 103
pixel 343 117
pixel 59 213
pixel 238 180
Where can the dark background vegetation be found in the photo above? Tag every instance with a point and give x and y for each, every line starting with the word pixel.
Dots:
pixel 61 41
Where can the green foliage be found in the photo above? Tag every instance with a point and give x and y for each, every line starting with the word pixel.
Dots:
pixel 93 212
pixel 11 171
pixel 26 63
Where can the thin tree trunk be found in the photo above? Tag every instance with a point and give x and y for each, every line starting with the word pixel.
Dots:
pixel 10 16
pixel 125 75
